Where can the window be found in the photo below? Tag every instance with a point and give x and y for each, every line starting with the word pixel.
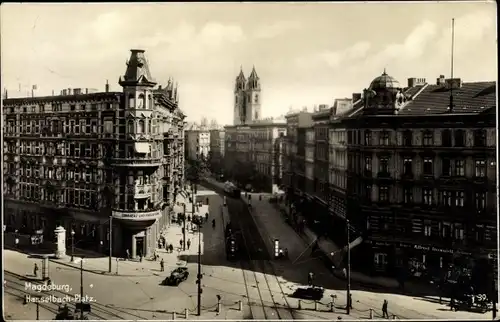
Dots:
pixel 93 107
pixel 446 230
pixel 446 138
pixel 131 101
pixel 458 231
pixel 140 127
pixel 72 107
pixel 480 168
pixel 131 127
pixel 479 138
pixel 256 98
pixel 428 166
pixel 368 192
pixel 446 167
pixel 407 166
pixel 446 198
pixel 383 193
pixel 407 195
pixel 384 165
pixel 368 164
pixel 459 198
pixel 459 138
pixel 459 168
pixel 427 229
pixel 427 196
pixel 428 138
pixel 407 138
pixel 368 138
pixel 142 101
pixel 380 260
pixel 82 107
pixel 480 200
pixel 384 138
pixel 236 99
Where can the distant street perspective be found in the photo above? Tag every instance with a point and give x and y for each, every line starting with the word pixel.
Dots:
pixel 234 161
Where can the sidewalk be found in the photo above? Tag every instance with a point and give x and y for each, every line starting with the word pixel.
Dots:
pixel 98 264
pixel 326 246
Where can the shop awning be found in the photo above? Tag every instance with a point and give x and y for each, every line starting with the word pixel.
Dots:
pixel 142 147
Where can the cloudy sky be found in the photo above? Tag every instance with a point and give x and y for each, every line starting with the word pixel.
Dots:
pixel 304 53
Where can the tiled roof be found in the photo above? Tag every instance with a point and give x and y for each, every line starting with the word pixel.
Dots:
pixel 473 97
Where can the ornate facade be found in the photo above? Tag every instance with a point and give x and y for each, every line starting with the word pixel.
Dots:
pixel 419 181
pixel 252 152
pixel 75 160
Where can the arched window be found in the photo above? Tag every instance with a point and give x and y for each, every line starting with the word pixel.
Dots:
pixel 131 127
pixel 236 99
pixel 256 98
pixel 142 101
pixel 150 101
pixel 149 126
pixel 131 101
pixel 140 128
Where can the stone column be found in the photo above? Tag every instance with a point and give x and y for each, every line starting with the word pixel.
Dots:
pixel 133 251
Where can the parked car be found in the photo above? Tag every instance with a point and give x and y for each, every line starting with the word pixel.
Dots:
pixel 177 276
pixel 310 293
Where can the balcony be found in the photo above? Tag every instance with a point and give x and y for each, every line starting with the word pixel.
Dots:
pixel 136 161
pixel 142 191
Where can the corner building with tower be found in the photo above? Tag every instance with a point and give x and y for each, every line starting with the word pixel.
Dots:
pixel 78 159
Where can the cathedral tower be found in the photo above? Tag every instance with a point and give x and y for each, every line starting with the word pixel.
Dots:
pixel 247 98
pixel 253 96
pixel 239 99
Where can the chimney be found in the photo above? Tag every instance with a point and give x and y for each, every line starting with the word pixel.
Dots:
pixel 52 92
pixel 412 82
pixel 159 88
pixel 441 80
pixel 106 87
pixel 356 97
pixel 86 90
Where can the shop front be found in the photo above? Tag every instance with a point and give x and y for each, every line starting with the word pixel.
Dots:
pixel 421 262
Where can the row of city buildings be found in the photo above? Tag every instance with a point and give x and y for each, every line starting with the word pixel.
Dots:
pixel 413 170
pixel 249 152
pixel 78 159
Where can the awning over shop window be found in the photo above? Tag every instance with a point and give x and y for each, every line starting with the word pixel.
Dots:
pixel 141 147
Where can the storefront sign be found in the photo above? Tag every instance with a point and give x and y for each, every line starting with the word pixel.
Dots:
pixel 419 247
pixel 137 215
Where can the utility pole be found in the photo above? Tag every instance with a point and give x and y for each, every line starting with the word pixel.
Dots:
pixel 199 270
pixel 110 242
pixel 184 228
pixel 348 309
pixel 37 310
pixel 81 289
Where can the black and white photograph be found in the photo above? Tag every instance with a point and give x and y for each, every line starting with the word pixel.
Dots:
pixel 249 160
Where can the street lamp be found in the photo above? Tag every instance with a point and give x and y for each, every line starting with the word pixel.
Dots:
pixel 72 245
pixel 348 309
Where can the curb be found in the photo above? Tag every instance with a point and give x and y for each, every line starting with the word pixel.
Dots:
pixel 101 272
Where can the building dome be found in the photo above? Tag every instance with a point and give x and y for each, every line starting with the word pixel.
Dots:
pixel 384 82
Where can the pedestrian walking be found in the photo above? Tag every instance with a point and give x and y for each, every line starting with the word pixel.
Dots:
pixel 140 257
pixel 128 253
pixel 310 278
pixel 171 248
pixel 189 243
pixel 385 314
pixel 162 265
pixel 35 270
pixel 452 303
pixel 180 243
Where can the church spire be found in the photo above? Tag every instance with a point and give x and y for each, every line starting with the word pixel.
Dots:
pixel 253 74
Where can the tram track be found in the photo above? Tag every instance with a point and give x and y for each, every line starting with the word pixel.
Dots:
pixel 258 271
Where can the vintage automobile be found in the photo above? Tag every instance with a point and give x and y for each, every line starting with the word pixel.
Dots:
pixel 178 275
pixel 310 293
